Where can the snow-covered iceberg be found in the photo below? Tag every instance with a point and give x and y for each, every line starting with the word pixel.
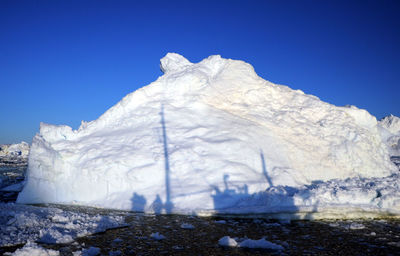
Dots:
pixel 14 153
pixel 214 137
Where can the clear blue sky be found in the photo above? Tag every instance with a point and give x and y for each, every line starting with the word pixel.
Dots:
pixel 66 61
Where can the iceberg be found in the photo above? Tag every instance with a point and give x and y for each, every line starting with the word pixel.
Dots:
pixel 19 150
pixel 14 154
pixel 214 137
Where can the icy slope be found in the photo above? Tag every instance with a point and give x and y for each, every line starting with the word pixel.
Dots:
pixel 204 137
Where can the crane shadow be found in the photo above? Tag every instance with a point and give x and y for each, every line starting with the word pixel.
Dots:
pixel 157 205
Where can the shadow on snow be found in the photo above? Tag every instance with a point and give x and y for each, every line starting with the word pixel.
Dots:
pixel 232 198
pixel 139 201
pixel 237 199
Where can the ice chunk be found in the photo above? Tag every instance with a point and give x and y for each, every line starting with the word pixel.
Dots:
pixel 227 241
pixel 91 251
pixel 32 249
pixel 54 236
pixel 187 226
pixel 157 236
pixel 260 244
pixel 14 187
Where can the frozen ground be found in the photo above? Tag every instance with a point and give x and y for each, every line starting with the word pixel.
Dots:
pixel 213 137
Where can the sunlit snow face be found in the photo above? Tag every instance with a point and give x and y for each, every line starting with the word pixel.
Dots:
pixel 213 137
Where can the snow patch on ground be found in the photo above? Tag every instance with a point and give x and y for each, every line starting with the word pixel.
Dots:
pixel 22 223
pixel 249 243
pixel 32 249
pixel 260 244
pixel 227 241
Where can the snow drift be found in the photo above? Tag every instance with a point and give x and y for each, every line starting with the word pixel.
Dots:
pixel 214 137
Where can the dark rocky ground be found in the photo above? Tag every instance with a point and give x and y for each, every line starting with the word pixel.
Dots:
pixel 334 237
pixel 361 237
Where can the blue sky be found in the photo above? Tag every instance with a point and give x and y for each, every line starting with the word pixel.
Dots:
pixel 66 61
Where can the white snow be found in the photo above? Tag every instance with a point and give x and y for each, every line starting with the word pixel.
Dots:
pixel 356 226
pixel 260 244
pixel 227 241
pixel 213 137
pixel 391 133
pixel 249 243
pixel 349 198
pixel 392 123
pixel 21 223
pixel 32 249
